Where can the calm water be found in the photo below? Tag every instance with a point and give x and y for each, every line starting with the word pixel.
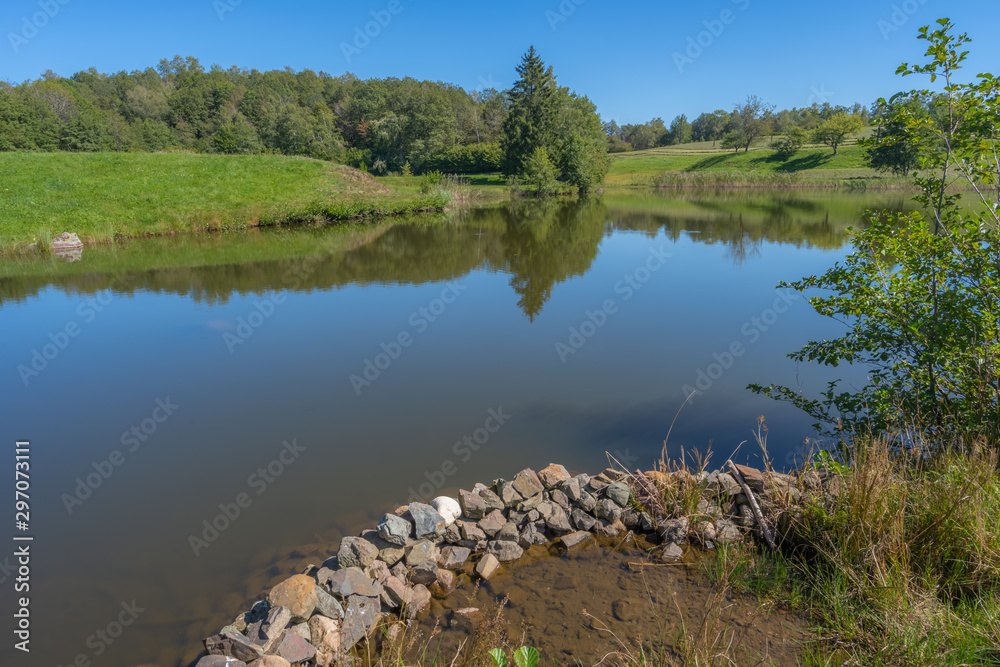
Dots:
pixel 323 376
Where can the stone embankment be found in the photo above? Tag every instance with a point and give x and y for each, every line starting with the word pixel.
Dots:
pixel 418 552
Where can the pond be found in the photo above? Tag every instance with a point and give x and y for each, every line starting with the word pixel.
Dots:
pixel 209 414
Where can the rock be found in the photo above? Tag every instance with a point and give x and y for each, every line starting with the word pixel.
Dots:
pixel 509 495
pixel 582 520
pixel 326 639
pixel 425 573
pixel 400 571
pixel 274 661
pixel 395 529
pixel 587 502
pixel 420 600
pixel 378 571
pixel 350 581
pixel 443 585
pixel 674 530
pixel 558 521
pixel 728 486
pixel 508 532
pixel 471 531
pixel 473 506
pixel 609 529
pixel 257 613
pixel 529 536
pixel 726 532
pixel 397 590
pixel 671 553
pixel 360 617
pixel 453 557
pixel 429 524
pixel 219 661
pixel 452 534
pixel 505 551
pixel 545 509
pixel 297 594
pixel 571 487
pixel 618 492
pixel 267 632
pixel 300 629
pixel 630 518
pixel 420 551
pixel 233 645
pixel 447 508
pixel 573 539
pixel 598 484
pixel 531 503
pixel 391 556
pixel 492 500
pixel 552 475
pixel 746 518
pixel 559 498
pixel 356 552
pixel 646 522
pixel 487 567
pixel 626 609
pixel 811 481
pixel 294 648
pixel 527 483
pixel 705 531
pixel 327 605
pixel 492 523
pixel 608 509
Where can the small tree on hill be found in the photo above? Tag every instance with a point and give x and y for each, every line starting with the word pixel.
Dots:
pixel 837 129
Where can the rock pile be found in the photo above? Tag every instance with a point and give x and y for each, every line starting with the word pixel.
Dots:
pixel 416 553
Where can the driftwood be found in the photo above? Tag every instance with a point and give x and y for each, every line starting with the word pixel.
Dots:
pixel 753 503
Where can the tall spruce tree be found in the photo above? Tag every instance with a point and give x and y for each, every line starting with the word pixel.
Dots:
pixel 532 112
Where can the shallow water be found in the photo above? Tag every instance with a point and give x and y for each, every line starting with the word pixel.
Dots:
pixel 578 325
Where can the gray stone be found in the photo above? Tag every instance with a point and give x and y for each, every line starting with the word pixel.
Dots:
pixel 454 557
pixel 267 632
pixel 609 528
pixel 587 502
pixel 517 518
pixel 397 590
pixel 571 487
pixel 545 509
pixel 429 524
pixel 325 634
pixel 674 530
pixel 491 500
pixel 444 584
pixel 630 518
pixel 726 532
pixel 527 483
pixel 471 531
pixel 273 661
pixel 233 645
pixel 598 484
pixel 505 551
pixel 646 522
pixel 492 523
pixel 349 581
pixel 395 529
pixel 509 495
pixel 671 552
pixel 608 509
pixel 391 556
pixel 361 616
pixel 419 600
pixel 508 532
pixel 534 515
pixel 302 630
pixel 356 552
pixel 419 552
pixel 560 499
pixel 452 534
pixel 473 506
pixel 573 539
pixel 618 492
pixel 531 503
pixel 488 566
pixel 746 517
pixel 582 520
pixel 558 521
pixel 327 605
pixel 219 661
pixel 294 648
pixel 552 475
pixel 425 573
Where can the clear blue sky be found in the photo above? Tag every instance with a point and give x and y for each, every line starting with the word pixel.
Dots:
pixel 620 54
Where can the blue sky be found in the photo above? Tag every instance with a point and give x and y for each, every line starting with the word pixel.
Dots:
pixel 623 55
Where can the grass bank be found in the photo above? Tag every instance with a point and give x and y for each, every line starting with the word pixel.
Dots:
pixel 699 165
pixel 104 196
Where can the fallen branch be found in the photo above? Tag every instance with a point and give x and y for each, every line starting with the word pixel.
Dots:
pixel 753 504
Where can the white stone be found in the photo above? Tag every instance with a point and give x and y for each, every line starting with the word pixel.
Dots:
pixel 448 508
